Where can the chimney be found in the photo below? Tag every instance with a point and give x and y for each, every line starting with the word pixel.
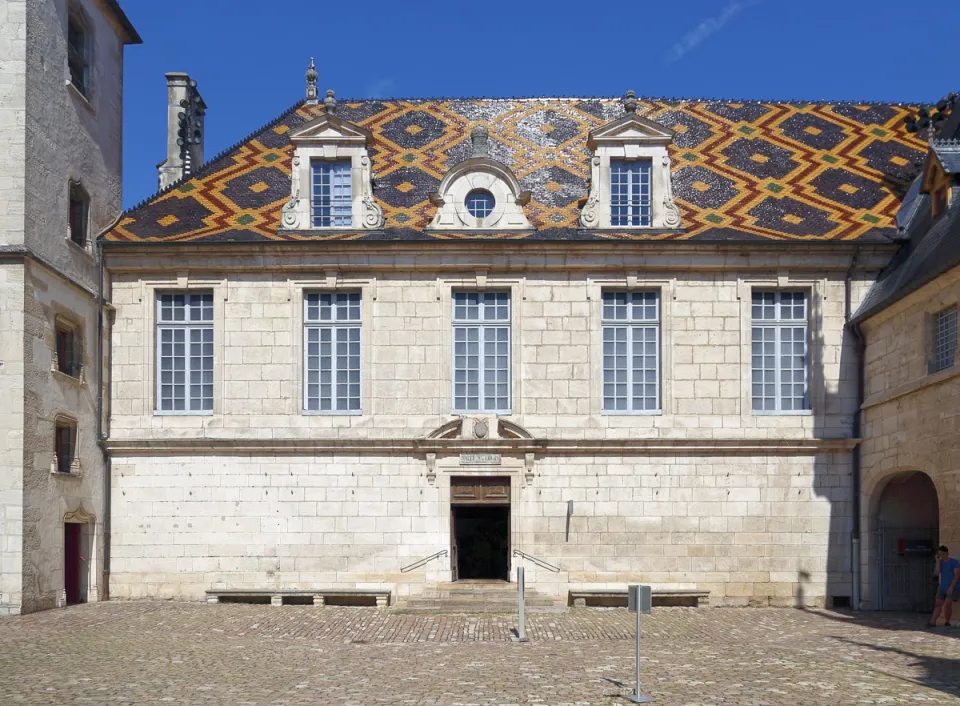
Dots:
pixel 185 111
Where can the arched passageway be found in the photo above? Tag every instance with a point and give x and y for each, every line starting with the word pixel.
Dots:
pixel 907 526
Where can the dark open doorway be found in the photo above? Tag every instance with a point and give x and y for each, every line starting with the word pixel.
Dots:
pixel 482 538
pixel 73 561
pixel 907 525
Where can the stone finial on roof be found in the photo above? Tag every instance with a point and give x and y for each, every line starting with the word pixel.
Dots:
pixel 630 102
pixel 480 138
pixel 312 83
pixel 330 103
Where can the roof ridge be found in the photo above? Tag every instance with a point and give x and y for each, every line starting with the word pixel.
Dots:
pixel 667 99
pixel 205 167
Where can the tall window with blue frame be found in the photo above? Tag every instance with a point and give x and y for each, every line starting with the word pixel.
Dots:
pixel 332 352
pixel 630 196
pixel 631 351
pixel 779 364
pixel 185 352
pixel 481 352
pixel 331 201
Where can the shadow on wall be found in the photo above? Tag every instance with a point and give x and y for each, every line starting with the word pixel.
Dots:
pixel 833 417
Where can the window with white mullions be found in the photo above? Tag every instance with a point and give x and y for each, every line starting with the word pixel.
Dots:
pixel 481 352
pixel 944 339
pixel 631 351
pixel 779 365
pixel 331 202
pixel 332 352
pixel 185 352
pixel 629 192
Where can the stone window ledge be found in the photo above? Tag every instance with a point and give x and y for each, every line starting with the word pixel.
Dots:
pixel 182 413
pixel 73 474
pixel 85 249
pixel 632 413
pixel 781 412
pixel 83 99
pixel 79 382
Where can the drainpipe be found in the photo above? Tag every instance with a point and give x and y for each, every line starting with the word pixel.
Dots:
pixel 101 438
pixel 860 347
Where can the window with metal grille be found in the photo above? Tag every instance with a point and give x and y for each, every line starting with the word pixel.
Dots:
pixel 79 214
pixel 65 444
pixel 185 352
pixel 629 192
pixel 631 351
pixel 331 205
pixel 69 354
pixel 331 352
pixel 481 352
pixel 78 51
pixel 779 351
pixel 944 339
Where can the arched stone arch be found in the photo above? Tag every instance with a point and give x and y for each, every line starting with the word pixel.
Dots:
pixel 450 430
pixel 511 430
pixel 80 515
pixel 896 575
pixel 876 484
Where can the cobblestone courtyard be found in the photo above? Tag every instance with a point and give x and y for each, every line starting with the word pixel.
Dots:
pixel 246 655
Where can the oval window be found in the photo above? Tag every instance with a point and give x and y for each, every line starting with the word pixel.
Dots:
pixel 480 203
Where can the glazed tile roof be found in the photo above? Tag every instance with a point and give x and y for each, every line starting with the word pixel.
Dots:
pixel 741 171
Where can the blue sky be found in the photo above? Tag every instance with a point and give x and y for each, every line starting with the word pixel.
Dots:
pixel 249 56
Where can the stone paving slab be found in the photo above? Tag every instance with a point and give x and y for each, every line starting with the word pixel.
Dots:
pixel 248 655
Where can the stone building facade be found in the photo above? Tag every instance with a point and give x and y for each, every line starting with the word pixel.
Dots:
pixel 60 124
pixel 608 334
pixel 911 483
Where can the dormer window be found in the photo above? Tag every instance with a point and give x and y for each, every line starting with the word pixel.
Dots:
pixel 480 193
pixel 330 157
pixel 629 192
pixel 630 183
pixel 331 203
pixel 941 175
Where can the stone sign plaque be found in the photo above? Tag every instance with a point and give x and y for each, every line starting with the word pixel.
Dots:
pixel 479 459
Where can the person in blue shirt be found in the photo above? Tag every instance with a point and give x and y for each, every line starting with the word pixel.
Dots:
pixel 948 590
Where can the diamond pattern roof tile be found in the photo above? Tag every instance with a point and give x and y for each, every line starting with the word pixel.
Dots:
pixel 742 170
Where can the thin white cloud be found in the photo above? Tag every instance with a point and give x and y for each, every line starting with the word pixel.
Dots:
pixel 379 88
pixel 708 27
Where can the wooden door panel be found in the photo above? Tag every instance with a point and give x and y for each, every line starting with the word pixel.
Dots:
pixel 479 491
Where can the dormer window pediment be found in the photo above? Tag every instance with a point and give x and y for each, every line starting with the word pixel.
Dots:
pixel 480 193
pixel 331 177
pixel 630 180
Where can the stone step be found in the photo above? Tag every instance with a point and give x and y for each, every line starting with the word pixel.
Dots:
pixel 479 597
pixel 461 607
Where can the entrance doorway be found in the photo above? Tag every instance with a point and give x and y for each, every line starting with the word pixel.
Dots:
pixel 73 562
pixel 907 529
pixel 480 528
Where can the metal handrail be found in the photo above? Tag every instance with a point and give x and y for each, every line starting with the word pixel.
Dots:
pixel 538 562
pixel 416 564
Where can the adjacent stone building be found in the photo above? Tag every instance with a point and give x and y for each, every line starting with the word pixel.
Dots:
pixel 60 127
pixel 911 410
pixel 387 344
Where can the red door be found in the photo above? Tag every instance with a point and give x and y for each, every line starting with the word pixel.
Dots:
pixel 71 561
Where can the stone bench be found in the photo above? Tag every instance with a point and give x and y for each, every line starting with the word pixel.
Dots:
pixel 617 597
pixel 319 596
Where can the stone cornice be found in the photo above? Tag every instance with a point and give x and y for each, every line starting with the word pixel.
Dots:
pixel 540 447
pixel 908 388
pixel 503 256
